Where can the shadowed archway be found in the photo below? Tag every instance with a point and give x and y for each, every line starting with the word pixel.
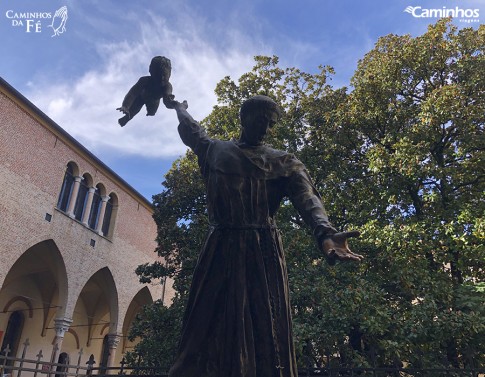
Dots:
pixel 35 286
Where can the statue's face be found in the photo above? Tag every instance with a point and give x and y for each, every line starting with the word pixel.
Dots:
pixel 160 71
pixel 256 125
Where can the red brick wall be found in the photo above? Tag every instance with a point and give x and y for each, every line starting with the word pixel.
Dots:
pixel 35 153
pixel 33 159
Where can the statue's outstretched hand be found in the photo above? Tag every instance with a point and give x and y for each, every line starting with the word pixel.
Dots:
pixel 336 248
pixel 124 110
pixel 179 105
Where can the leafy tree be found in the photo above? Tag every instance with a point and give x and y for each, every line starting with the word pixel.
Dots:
pixel 417 116
pixel 399 157
pixel 181 218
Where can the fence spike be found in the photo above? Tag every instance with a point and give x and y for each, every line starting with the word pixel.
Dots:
pixel 80 353
pixel 7 350
pixel 26 344
pixel 122 362
pixel 91 361
pixel 39 356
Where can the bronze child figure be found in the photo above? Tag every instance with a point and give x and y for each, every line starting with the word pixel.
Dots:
pixel 149 90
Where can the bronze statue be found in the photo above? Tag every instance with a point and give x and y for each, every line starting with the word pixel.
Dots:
pixel 149 90
pixel 237 321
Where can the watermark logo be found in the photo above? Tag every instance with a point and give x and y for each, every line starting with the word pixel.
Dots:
pixel 37 22
pixel 463 15
pixel 411 10
pixel 59 21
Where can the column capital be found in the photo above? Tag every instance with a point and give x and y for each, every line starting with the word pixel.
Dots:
pixel 61 325
pixel 92 190
pixel 78 178
pixel 113 340
pixel 105 198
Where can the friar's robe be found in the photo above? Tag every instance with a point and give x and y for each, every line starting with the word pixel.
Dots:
pixel 237 321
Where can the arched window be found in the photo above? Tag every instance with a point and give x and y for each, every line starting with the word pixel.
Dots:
pixel 109 215
pixel 82 197
pixel 66 189
pixel 12 334
pixel 96 206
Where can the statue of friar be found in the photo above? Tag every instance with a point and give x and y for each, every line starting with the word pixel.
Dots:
pixel 237 321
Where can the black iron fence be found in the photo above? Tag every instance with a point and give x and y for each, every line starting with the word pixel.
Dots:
pixel 11 366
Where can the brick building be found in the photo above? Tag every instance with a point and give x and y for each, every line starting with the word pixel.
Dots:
pixel 72 233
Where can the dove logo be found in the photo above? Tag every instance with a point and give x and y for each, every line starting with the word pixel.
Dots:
pixel 411 10
pixel 463 14
pixel 59 20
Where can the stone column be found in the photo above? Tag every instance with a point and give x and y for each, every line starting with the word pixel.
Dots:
pixel 61 325
pixel 89 203
pixel 99 228
pixel 113 341
pixel 74 193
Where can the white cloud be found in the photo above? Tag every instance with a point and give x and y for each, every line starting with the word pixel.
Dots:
pixel 86 106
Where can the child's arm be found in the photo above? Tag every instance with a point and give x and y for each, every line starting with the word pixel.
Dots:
pixel 168 97
pixel 135 92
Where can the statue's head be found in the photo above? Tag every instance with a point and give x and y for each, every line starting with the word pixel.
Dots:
pixel 160 67
pixel 258 114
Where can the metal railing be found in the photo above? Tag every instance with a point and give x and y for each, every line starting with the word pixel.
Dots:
pixel 11 366
pixel 22 367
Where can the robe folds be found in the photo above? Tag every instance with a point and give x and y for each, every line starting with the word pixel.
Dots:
pixel 237 321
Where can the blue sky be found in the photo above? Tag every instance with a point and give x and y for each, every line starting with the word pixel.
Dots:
pixel 79 77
